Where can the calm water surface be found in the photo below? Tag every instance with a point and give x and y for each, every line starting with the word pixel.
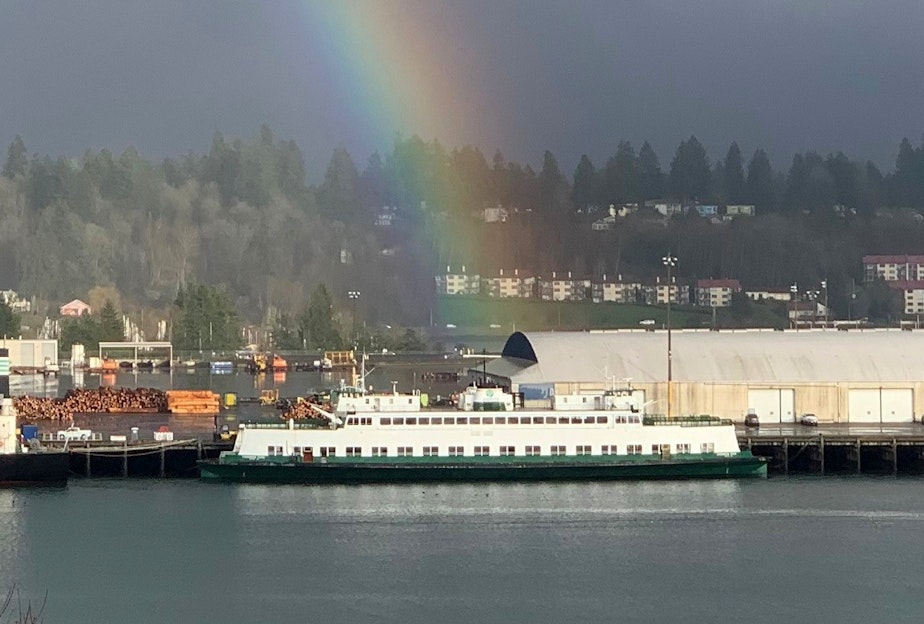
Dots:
pixel 828 550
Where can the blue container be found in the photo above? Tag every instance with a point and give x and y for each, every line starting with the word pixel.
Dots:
pixel 30 432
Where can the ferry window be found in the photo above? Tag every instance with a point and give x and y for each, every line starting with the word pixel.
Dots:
pixel 456 451
pixel 550 420
pixel 532 450
pixel 409 400
pixel 512 420
pixel 462 420
pixel 385 421
pixel 379 451
pixel 576 420
pixel 558 450
pixel 405 451
pixel 707 447
pixel 487 420
pixel 431 451
pixel 351 421
pixel 563 420
pixel 354 451
pixel 608 449
pixel 500 420
pixel 621 419
pixel 297 450
pixel 655 449
pixel 327 451
pixel 449 420
pixel 367 401
pixel 398 421
pixel 601 420
pixel 410 421
pixel 279 450
pixel 583 450
pixel 270 450
pixel 634 449
pixel 506 451
pixel 436 421
pixel 635 419
pixel 423 421
pixel 683 448
pixel 482 451
pixel 474 420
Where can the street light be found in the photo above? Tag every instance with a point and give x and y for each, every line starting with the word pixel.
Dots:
pixel 794 290
pixel 670 262
pixel 824 287
pixel 354 297
pixel 813 297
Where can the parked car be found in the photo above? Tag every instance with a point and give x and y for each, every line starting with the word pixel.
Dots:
pixel 809 420
pixel 751 420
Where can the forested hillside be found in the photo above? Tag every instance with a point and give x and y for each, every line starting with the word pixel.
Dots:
pixel 242 217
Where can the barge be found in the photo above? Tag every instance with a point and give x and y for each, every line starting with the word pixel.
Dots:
pixel 26 462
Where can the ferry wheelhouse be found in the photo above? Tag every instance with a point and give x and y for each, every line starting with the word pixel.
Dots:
pixel 393 437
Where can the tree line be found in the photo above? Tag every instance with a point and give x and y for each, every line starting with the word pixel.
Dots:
pixel 243 219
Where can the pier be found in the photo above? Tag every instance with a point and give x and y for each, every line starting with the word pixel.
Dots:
pixel 838 449
pixel 167 459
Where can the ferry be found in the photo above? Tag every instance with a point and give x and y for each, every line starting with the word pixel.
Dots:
pixel 395 437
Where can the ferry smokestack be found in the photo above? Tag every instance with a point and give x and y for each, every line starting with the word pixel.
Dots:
pixel 4 372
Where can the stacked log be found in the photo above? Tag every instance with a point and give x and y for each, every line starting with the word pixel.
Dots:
pixel 302 409
pixel 192 402
pixel 89 401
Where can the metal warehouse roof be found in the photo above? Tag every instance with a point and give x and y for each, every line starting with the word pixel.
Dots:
pixel 705 356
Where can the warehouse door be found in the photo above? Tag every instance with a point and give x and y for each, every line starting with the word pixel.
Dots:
pixel 773 405
pixel 877 405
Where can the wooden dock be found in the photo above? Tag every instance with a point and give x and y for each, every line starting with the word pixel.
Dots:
pixel 830 453
pixel 167 459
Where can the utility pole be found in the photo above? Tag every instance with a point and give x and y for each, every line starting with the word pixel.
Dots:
pixel 670 262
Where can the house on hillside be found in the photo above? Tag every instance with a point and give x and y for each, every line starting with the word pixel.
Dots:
pixel 75 308
pixel 716 293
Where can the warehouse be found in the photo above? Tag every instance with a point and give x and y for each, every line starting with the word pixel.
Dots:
pixel 858 376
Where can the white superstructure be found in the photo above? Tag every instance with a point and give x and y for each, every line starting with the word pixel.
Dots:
pixel 488 423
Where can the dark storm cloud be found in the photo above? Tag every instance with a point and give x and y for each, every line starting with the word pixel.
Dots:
pixel 568 77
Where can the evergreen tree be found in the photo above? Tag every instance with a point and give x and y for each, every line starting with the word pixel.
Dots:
pixel 553 188
pixel 110 325
pixel 17 159
pixel 650 178
pixel 585 191
pixel 690 172
pixel 317 323
pixel 338 195
pixel 733 171
pixel 760 184
pixel 9 321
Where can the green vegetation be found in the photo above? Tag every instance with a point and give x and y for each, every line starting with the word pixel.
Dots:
pixel 9 321
pixel 482 312
pixel 242 220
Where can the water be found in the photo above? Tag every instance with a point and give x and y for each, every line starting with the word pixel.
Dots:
pixel 845 550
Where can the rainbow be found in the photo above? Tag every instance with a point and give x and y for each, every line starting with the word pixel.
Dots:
pixel 396 69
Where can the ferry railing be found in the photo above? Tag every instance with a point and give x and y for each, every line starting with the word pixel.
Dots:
pixel 693 420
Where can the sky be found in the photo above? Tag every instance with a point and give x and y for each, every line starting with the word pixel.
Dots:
pixel 520 76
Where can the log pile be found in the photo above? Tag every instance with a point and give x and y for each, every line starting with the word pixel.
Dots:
pixel 302 409
pixel 89 401
pixel 192 402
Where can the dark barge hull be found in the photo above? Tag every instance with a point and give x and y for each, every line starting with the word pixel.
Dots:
pixel 36 468
pixel 351 472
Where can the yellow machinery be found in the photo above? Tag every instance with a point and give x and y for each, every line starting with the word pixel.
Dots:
pixel 269 397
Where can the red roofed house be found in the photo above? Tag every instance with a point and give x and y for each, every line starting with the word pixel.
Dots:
pixel 716 293
pixel 75 308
